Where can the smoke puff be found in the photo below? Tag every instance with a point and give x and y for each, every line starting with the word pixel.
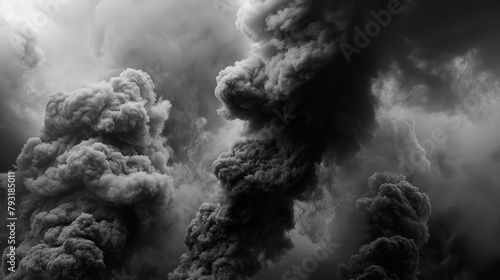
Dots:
pixel 379 178
pixel 125 105
pixel 260 166
pixel 74 259
pixel 285 60
pixel 97 172
pixel 397 209
pixel 53 228
pixel 231 238
pixel 391 220
pixel 385 258
pixel 373 272
pixel 214 253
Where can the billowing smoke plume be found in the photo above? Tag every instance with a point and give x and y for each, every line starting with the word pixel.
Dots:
pixel 94 180
pixel 396 220
pixel 300 98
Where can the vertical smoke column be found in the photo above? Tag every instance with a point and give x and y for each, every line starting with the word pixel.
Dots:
pixel 93 180
pixel 301 100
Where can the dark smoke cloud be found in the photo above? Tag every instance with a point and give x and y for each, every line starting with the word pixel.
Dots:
pixel 222 245
pixel 97 170
pixel 385 258
pixel 303 74
pixel 398 209
pixel 227 240
pixel 75 259
pixel 395 218
pixel 255 166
